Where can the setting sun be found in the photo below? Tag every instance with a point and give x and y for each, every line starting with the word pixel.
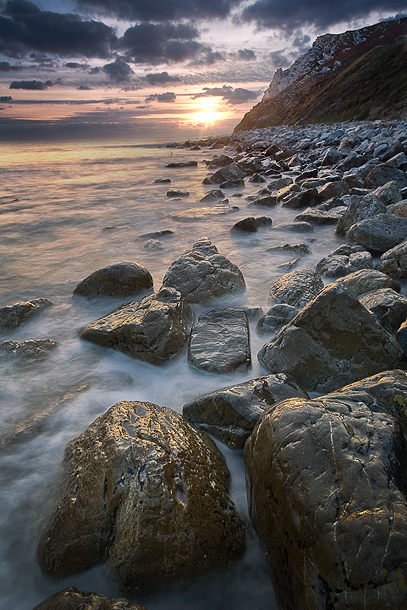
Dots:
pixel 207 112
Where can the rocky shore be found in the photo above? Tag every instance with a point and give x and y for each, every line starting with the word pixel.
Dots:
pixel 324 429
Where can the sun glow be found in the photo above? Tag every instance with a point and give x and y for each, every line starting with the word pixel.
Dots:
pixel 207 112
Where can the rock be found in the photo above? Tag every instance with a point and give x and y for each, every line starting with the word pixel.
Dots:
pixel 154 329
pixel 320 217
pixel 213 195
pixel 394 261
pixel 276 317
pixel 26 351
pixel 351 161
pixel 331 156
pixel 268 201
pixel 380 233
pixel 162 181
pixel 153 244
pixel 310 197
pixel 230 414
pixel 401 338
pixel 12 316
pixel 220 341
pixel 183 164
pixel 225 174
pixel 300 249
pixel 220 161
pixel 232 184
pixel 306 174
pixel 296 227
pixel 177 193
pixel 333 189
pixel 204 212
pixel 359 208
pixel 398 209
pixel 157 234
pixel 389 307
pixel 327 496
pixel 397 160
pixel 389 193
pixel 381 174
pixel 296 288
pixel 333 341
pixel 257 178
pixel 119 280
pixel 252 224
pixel 132 495
pixel 365 280
pixel 280 183
pixel 72 599
pixel 202 274
pixel 344 260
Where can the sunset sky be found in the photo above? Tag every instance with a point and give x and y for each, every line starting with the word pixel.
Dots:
pixel 108 68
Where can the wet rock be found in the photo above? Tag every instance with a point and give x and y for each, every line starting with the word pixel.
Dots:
pixel 278 316
pixel 72 599
pixel 26 351
pixel 162 181
pixel 204 212
pixel 153 244
pixel 381 174
pixel 232 184
pixel 268 201
pixel 213 195
pixel 177 193
pixel 333 341
pixel 344 260
pixel 220 341
pixel 257 178
pixel 225 174
pixel 202 274
pixel 295 227
pixel 359 208
pixel 320 217
pixel 380 233
pixel 365 280
pixel 252 224
pixel 327 495
pixel 296 288
pixel 219 161
pixel 132 495
pixel 157 234
pixel 394 262
pixel 389 307
pixel 300 249
pixel 183 164
pixel 12 316
pixel 154 329
pixel 333 189
pixel 119 280
pixel 230 414
pixel 310 197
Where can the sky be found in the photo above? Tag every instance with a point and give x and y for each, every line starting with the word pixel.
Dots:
pixel 151 69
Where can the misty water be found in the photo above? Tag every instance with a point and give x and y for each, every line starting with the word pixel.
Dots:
pixel 65 211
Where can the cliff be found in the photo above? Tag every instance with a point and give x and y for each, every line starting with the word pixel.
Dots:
pixel 357 75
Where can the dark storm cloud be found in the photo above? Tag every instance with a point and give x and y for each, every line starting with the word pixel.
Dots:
pixel 246 54
pixel 230 95
pixel 4 99
pixel 161 42
pixel 5 66
pixel 119 71
pixel 75 66
pixel 164 10
pixel 280 60
pixel 290 15
pixel 33 85
pixel 161 97
pixel 24 27
pixel 162 78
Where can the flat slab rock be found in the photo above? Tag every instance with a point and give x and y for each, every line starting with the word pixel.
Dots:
pixel 219 341
pixel 73 599
pixel 333 341
pixel 154 329
pixel 202 274
pixel 19 313
pixel 327 493
pixel 118 280
pixel 26 351
pixel 146 491
pixel 230 414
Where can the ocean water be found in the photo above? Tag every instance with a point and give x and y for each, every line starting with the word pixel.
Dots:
pixel 66 210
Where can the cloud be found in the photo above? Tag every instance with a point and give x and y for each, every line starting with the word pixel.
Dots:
pixel 161 78
pixel 119 71
pixel 84 88
pixel 161 97
pixel 165 10
pixel 24 27
pixel 4 99
pixel 291 15
pixel 33 85
pixel 246 54
pixel 230 95
pixel 280 60
pixel 74 65
pixel 5 66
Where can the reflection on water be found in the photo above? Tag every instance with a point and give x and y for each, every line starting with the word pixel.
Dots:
pixel 64 212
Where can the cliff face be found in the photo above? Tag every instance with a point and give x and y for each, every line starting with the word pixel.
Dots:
pixel 358 75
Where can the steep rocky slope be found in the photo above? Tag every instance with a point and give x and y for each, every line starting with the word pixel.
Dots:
pixel 357 75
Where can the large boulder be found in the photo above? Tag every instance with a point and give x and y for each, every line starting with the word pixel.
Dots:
pixel 230 414
pixel 388 306
pixel 344 260
pixel 393 262
pixel 154 329
pixel 12 316
pixel 333 189
pixel 119 280
pixel 73 599
pixel 296 288
pixel 202 275
pixel 326 486
pixel 230 172
pixel 359 209
pixel 219 341
pixel 147 492
pixel 366 280
pixel 379 233
pixel 333 341
pixel 382 173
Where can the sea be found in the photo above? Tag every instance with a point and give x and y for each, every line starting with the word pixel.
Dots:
pixel 67 209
